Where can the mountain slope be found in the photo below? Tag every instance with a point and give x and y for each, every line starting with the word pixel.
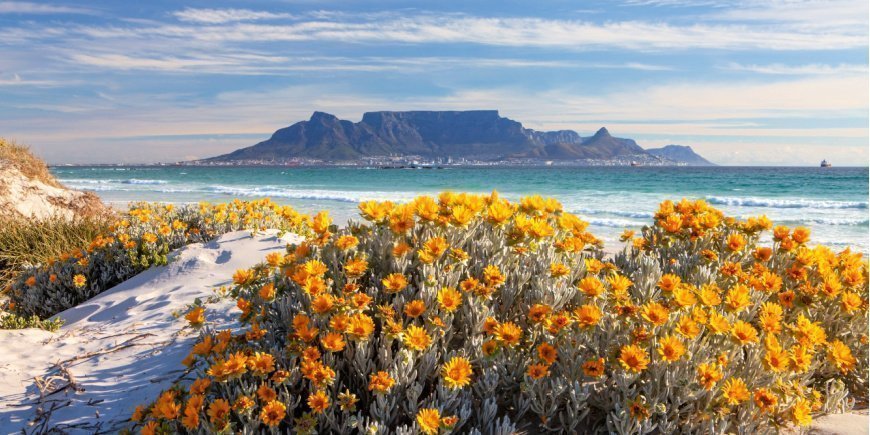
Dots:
pixel 680 153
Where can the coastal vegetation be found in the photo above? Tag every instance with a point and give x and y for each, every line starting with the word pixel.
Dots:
pixel 470 314
pixel 141 238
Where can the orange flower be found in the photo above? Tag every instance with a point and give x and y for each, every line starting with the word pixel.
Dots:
pixel 547 353
pixel 594 367
pixel 218 412
pixel 381 382
pixel 538 371
pixel 318 402
pixel 273 413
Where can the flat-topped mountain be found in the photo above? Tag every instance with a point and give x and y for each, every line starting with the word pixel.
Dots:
pixel 680 153
pixel 473 134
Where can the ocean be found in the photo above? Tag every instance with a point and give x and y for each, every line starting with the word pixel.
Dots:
pixel 833 202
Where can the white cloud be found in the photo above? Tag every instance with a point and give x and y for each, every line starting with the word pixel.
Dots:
pixel 808 69
pixel 220 16
pixel 515 32
pixel 14 7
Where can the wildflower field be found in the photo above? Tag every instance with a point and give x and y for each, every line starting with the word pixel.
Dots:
pixel 142 238
pixel 470 314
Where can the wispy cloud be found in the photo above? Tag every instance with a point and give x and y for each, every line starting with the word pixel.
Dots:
pixel 220 16
pixel 809 69
pixel 508 32
pixel 14 7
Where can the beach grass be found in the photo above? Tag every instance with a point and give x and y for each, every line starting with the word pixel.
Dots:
pixel 25 243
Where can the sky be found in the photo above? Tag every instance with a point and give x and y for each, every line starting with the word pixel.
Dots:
pixel 744 82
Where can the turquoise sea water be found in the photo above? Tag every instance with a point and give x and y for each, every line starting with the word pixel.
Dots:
pixel 833 202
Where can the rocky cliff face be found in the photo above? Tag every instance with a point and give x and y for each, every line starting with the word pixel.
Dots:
pixel 473 134
pixel 27 189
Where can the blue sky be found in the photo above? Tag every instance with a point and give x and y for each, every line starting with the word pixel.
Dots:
pixel 742 82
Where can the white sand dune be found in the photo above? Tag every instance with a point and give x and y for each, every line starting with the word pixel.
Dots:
pixel 123 347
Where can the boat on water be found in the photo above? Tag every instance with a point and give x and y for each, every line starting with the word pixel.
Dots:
pixel 826 164
pixel 633 163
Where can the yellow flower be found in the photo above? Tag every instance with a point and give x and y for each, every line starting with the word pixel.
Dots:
pixel 710 295
pixel 346 242
pixel 744 333
pixel 841 356
pixel 669 282
pixel 196 316
pixel 633 358
pixel 414 308
pixel 671 348
pixel 273 413
pixel 734 391
pixel 449 299
pixel 801 235
pixel 360 326
pixel 493 276
pixel 684 296
pixel 261 363
pixel 801 413
pixel 655 313
pixel 688 327
pixel 79 281
pixel 737 298
pixel 558 270
pixel 429 420
pixel 508 334
pixel 333 342
pixel 267 292
pixel 318 402
pixel 394 282
pixel 850 301
pixel 735 242
pixel 765 400
pixel 243 276
pixel 776 360
pixel 587 315
pixel 416 338
pixel 456 372
pixel 619 284
pixel 708 375
pixel 591 286
pixel 355 267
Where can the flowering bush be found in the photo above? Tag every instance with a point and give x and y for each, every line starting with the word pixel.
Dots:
pixel 141 239
pixel 470 314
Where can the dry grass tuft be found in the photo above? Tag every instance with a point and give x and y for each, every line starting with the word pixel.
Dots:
pixel 20 157
pixel 24 243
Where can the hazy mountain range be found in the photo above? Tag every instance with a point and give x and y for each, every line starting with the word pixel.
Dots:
pixel 473 134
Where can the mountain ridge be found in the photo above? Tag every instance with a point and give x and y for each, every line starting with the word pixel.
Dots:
pixel 472 134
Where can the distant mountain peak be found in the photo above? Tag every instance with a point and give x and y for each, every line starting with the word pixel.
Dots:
pixel 602 132
pixel 323 116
